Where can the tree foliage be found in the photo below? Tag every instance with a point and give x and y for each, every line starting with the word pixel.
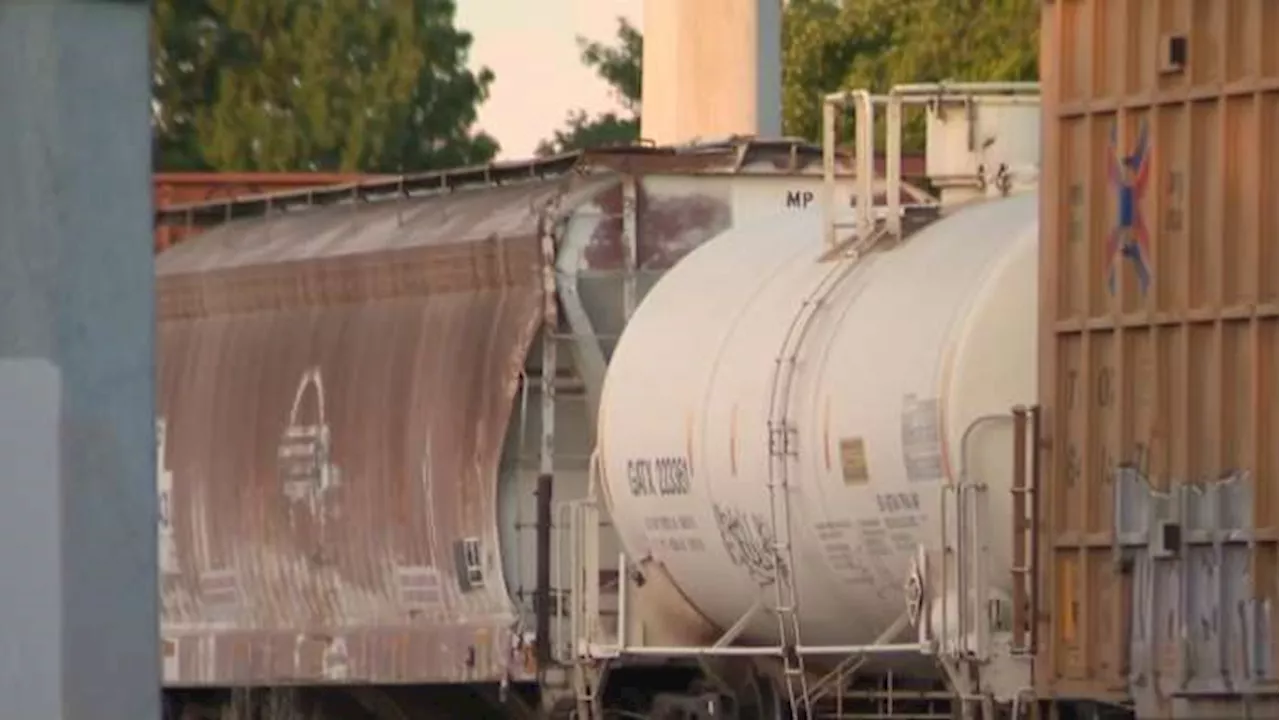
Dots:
pixel 830 46
pixel 619 65
pixel 582 131
pixel 314 85
pixel 379 86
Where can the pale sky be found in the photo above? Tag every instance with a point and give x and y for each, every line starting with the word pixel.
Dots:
pixel 530 47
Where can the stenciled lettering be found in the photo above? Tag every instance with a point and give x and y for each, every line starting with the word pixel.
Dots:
pixel 802 199
pixel 897 502
pixel 661 476
pixel 799 198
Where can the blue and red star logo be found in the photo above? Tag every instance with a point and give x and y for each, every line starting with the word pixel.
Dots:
pixel 1129 240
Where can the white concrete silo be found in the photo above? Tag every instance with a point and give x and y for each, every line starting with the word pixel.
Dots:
pixel 712 68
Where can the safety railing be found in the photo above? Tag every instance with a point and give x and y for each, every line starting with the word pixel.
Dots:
pixel 860 106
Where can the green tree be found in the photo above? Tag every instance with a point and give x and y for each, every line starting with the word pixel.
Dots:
pixel 829 46
pixel 314 85
pixel 620 66
pixel 186 41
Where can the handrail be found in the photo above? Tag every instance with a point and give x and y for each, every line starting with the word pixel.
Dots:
pixel 863 103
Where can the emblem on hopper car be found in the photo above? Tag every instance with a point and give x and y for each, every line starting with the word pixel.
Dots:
pixel 304 453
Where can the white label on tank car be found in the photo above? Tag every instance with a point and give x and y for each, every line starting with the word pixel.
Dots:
pixel 662 476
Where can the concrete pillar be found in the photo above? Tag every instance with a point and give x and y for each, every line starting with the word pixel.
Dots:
pixel 78 595
pixel 712 68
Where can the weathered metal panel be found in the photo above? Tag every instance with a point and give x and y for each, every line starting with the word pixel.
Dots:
pixel 673 215
pixel 334 392
pixel 1157 529
pixel 737 157
pixel 181 188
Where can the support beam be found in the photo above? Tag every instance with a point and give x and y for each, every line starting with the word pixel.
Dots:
pixel 78 507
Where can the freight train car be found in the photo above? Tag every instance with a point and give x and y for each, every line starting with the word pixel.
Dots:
pixel 369 397
pixel 808 431
pixel 1157 535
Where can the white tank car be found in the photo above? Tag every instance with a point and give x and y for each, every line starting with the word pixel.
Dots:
pixel 917 342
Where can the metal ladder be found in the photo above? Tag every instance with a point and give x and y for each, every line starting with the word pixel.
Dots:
pixel 782 448
pixel 785 596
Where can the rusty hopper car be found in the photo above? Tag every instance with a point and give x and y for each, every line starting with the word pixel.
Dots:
pixel 368 396
pixel 334 391
pixel 1157 526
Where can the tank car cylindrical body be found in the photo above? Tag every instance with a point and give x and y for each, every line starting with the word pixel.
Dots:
pixel 908 350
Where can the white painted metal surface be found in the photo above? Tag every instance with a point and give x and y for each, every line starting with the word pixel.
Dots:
pixel 960 136
pixel 682 211
pixel 916 343
pixel 991 137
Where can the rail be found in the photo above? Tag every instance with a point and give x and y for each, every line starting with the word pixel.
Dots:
pixel 576 575
pixel 863 105
pixel 1026 486
pixel 965 555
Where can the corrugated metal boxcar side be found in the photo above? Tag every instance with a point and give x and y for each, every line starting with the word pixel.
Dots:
pixel 1157 522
